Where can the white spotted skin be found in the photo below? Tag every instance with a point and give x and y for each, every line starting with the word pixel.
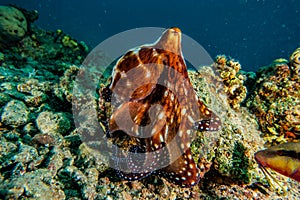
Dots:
pixel 167 52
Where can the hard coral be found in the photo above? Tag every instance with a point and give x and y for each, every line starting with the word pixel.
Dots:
pixel 68 42
pixel 66 84
pixel 295 62
pixel 13 25
pixel 232 79
pixel 276 99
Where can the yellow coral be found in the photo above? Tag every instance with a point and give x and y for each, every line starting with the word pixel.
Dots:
pixel 58 31
pixel 280 61
pixel 68 42
pixel 233 81
pixel 295 62
pixel 295 57
pixel 221 59
pixel 276 99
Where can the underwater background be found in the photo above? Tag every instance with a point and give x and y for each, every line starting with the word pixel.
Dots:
pixel 252 31
pixel 56 103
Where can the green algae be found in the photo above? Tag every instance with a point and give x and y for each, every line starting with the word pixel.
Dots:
pixel 240 164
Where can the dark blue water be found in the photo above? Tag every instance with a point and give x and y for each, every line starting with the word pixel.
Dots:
pixel 255 32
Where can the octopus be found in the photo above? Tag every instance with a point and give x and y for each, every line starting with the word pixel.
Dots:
pixel 155 105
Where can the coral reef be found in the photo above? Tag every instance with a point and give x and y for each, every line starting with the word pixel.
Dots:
pixel 66 84
pixel 295 63
pixel 231 149
pixel 49 122
pixel 276 100
pixel 225 157
pixel 15 113
pixel 13 25
pixel 232 79
pixel 41 146
pixel 40 53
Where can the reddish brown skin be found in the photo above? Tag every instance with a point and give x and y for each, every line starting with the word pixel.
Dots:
pixel 149 64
